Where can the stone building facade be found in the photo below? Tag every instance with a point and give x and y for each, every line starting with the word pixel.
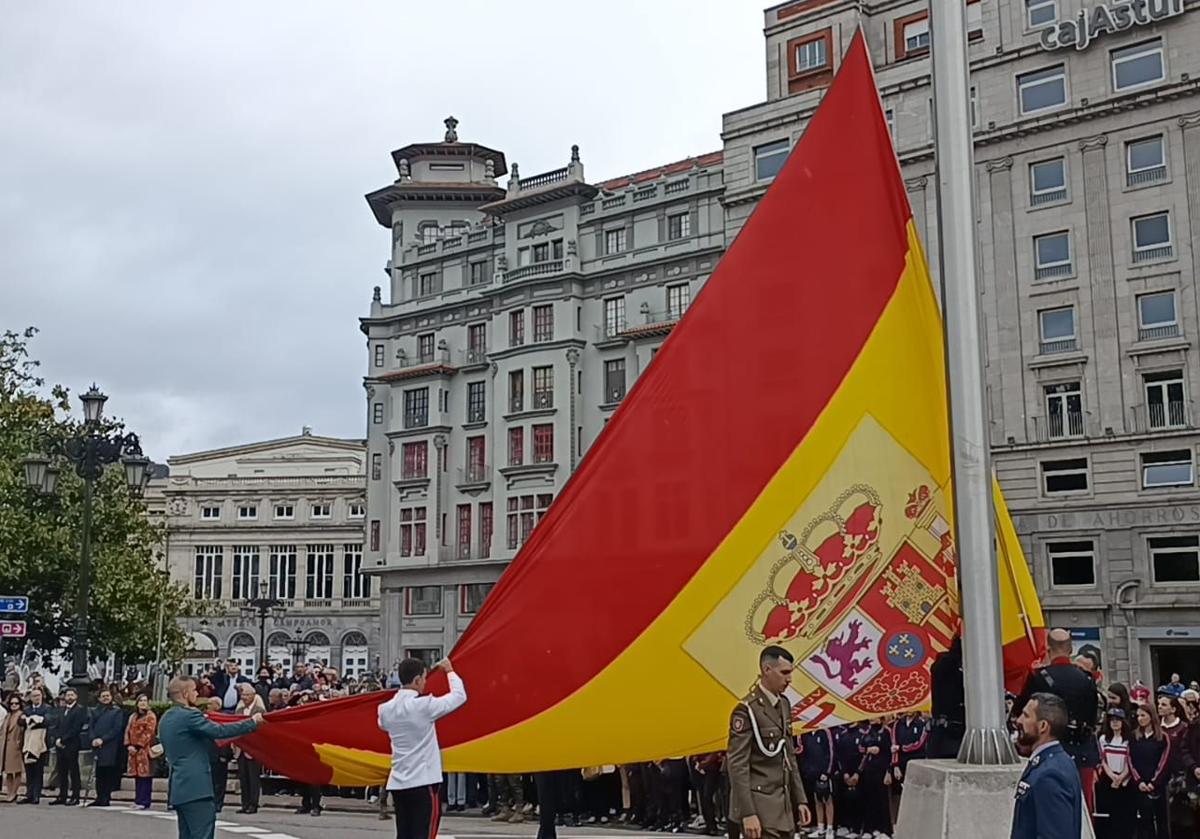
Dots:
pixel 516 319
pixel 1088 188
pixel 282 518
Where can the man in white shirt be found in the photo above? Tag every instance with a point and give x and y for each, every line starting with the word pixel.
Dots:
pixel 408 718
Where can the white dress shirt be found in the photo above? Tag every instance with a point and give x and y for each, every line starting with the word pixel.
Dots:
pixel 408 719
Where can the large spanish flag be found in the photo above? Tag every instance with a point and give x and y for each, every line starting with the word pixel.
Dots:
pixel 779 475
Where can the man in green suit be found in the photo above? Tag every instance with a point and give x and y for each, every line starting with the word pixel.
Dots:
pixel 187 737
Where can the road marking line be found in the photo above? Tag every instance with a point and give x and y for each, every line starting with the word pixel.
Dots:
pixel 275 836
pixel 243 828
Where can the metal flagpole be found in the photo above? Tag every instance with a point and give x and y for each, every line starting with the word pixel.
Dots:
pixel 986 740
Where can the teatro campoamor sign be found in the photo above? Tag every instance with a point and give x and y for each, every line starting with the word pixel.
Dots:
pixel 1089 24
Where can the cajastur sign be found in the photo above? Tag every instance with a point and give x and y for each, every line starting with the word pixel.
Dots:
pixel 1107 18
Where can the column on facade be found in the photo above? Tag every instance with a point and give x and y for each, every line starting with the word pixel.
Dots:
pixel 1190 126
pixel 391 609
pixel 1007 362
pixel 1105 391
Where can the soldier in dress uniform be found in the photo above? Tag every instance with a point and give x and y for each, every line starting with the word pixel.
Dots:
pixel 766 797
pixel 1077 689
pixel 1049 803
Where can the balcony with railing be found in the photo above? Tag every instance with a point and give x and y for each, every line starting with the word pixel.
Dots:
pixel 1051 272
pixel 1143 177
pixel 1153 254
pixel 1063 345
pixel 611 331
pixel 547 268
pixel 473 476
pixel 1039 199
pixel 1162 416
pixel 1159 333
pixel 476 356
pixel 1059 426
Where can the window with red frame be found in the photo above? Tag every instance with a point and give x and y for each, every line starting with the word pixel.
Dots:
pixel 516 328
pixel 415 460
pixel 516 446
pixel 543 443
pixel 476 458
pixel 464 531
pixel 543 324
pixel 485 529
pixel 412 531
pixel 524 512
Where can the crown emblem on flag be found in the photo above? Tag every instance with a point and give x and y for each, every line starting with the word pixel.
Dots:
pixel 832 555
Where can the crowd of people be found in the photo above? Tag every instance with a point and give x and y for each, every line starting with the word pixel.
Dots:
pixel 1138 757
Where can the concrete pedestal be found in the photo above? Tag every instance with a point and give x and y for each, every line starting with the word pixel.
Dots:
pixel 944 799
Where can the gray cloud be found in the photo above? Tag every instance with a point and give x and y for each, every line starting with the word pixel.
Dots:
pixel 181 185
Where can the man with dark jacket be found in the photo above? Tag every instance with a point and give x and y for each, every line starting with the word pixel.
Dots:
pixel 107 733
pixel 1064 679
pixel 264 684
pixel 225 684
pixel 68 739
pixel 38 715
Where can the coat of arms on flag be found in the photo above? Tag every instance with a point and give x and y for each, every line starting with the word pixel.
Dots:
pixel 859 585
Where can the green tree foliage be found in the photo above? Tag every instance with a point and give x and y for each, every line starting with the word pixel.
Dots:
pixel 40 536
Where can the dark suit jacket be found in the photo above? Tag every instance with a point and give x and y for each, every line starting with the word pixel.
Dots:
pixel 71 726
pixel 1078 690
pixel 220 681
pixel 187 737
pixel 108 725
pixel 1049 798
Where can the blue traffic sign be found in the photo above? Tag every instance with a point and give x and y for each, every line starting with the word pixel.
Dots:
pixel 13 604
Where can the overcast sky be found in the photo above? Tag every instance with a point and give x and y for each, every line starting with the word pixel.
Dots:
pixel 181 184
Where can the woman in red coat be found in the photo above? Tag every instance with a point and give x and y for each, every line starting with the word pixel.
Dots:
pixel 140 735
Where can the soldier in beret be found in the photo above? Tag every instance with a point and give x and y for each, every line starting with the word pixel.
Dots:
pixel 766 797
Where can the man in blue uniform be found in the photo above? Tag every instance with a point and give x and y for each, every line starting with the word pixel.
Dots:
pixel 1049 799
pixel 187 737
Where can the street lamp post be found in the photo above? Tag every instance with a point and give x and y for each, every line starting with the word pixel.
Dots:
pixel 261 607
pixel 89 452
pixel 297 645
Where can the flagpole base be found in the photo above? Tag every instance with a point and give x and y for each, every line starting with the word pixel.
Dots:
pixel 987 747
pixel 945 799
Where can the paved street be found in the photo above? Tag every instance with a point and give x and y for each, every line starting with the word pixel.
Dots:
pixel 120 822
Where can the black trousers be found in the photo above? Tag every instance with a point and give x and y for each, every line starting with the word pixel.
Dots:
pixel 547 804
pixel 418 811
pixel 249 781
pixel 34 776
pixel 876 803
pixel 310 798
pixel 108 778
pixel 1116 810
pixel 68 773
pixel 220 779
pixel 1153 821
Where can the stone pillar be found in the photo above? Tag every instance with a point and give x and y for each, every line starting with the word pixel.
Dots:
pixel 437 486
pixel 391 617
pixel 572 362
pixel 1105 392
pixel 1006 361
pixel 1190 126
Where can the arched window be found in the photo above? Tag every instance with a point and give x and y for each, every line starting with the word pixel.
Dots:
pixel 316 648
pixel 279 650
pixel 355 655
pixel 244 651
